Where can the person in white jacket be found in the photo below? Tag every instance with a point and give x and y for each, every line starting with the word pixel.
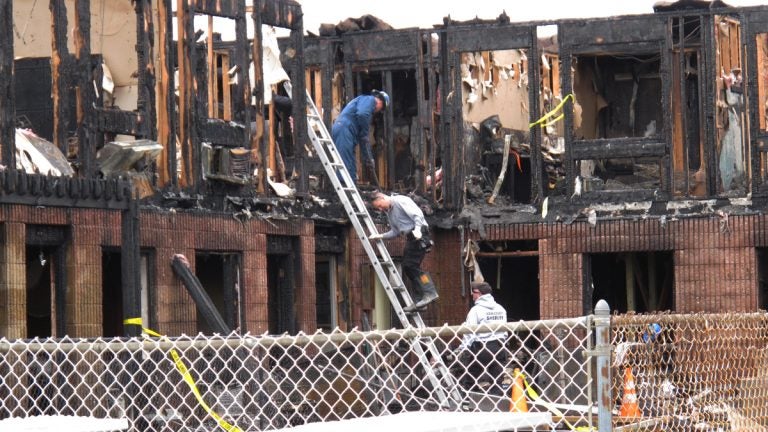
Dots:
pixel 483 354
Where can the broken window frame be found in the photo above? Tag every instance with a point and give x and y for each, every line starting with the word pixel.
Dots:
pixel 317 58
pixel 386 52
pixel 729 105
pixel 641 35
pixel 196 127
pixel 284 14
pixel 459 38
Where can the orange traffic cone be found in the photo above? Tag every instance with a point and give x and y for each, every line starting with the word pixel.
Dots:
pixel 629 406
pixel 518 403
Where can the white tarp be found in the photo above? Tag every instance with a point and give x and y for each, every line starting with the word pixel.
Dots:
pixel 60 423
pixel 434 421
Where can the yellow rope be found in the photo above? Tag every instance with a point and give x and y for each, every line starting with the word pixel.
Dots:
pixel 187 376
pixel 551 113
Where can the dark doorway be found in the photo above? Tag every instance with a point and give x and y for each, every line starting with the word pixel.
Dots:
pixel 762 278
pixel 111 293
pixel 280 284
pixel 46 280
pixel 631 281
pixel 40 291
pixel 325 290
pixel 219 274
pixel 512 269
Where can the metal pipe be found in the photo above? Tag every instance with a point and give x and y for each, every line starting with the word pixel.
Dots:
pixel 251 341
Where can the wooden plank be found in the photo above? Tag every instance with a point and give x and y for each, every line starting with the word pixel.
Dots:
pixel 166 118
pixel 678 155
pixel 212 102
pixel 146 67
pixel 762 77
pixel 257 137
pixel 225 66
pixel 554 63
pixel 59 64
pixel 617 148
pixel 318 90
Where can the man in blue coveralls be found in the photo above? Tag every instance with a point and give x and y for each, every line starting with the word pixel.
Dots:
pixel 352 127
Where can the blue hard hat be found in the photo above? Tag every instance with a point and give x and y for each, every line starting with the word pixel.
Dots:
pixel 383 96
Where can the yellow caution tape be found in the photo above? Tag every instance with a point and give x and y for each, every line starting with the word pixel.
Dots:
pixel 535 397
pixel 552 113
pixel 187 378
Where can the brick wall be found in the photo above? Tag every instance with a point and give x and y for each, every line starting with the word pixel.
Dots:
pixel 185 233
pixel 715 265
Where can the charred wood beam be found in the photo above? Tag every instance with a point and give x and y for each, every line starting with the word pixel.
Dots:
pixel 258 143
pixel 204 303
pixel 616 196
pixel 145 36
pixel 60 70
pixel 432 138
pixel 300 104
pixel 534 72
pixel 617 148
pixel 639 33
pixel 223 133
pixel 448 128
pixel 190 171
pixel 130 263
pixel 668 116
pixel 281 13
pixel 241 56
pixel 18 187
pixel 166 114
pixel 496 38
pixel 7 107
pixel 376 46
pixel 567 88
pixel 85 97
pixel 423 113
pixel 121 122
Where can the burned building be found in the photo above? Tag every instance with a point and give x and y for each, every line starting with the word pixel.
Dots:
pixel 148 159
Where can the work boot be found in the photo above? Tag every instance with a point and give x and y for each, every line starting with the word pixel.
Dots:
pixel 428 291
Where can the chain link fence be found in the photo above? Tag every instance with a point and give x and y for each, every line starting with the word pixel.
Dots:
pixel 668 372
pixel 691 372
pixel 207 383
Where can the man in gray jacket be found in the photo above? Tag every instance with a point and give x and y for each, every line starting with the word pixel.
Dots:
pixel 405 217
pixel 483 354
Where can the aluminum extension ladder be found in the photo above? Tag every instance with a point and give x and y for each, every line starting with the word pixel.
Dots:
pixel 437 372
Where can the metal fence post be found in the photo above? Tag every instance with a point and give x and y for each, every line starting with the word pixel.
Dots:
pixel 603 359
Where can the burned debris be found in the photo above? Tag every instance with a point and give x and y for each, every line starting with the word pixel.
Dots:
pixel 543 139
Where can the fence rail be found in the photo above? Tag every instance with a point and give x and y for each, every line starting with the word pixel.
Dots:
pixel 690 372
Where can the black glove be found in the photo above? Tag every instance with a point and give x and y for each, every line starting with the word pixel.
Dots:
pixel 426 244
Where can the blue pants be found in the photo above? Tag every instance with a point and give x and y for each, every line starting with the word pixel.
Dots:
pixel 344 138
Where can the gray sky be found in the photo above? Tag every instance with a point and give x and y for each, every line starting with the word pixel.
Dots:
pixel 426 13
